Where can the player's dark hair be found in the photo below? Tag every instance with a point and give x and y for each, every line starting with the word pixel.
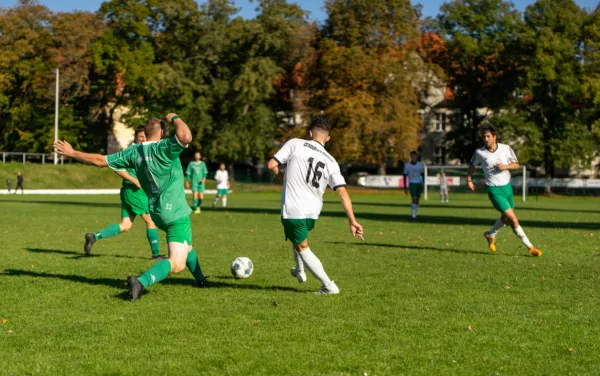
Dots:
pixel 487 128
pixel 414 152
pixel 139 129
pixel 320 123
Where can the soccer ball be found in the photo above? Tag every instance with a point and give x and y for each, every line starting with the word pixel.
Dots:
pixel 242 267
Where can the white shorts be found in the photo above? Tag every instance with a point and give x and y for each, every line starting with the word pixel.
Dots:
pixel 444 191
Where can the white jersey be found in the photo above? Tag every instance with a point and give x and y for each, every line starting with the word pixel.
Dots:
pixel 310 168
pixel 443 182
pixel 414 172
pixel 488 160
pixel 222 177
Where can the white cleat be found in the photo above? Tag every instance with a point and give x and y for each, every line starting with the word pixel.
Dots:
pixel 329 289
pixel 300 275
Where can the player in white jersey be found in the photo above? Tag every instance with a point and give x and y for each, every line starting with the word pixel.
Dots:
pixel 443 187
pixel 497 160
pixel 414 171
pixel 223 186
pixel 310 168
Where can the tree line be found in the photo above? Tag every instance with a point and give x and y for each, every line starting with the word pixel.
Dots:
pixel 245 85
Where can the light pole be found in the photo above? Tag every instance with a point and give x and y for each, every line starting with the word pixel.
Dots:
pixel 56 117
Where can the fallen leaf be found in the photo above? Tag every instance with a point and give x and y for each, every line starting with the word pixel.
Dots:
pixel 506 287
pixel 593 294
pixel 11 332
pixel 571 349
pixel 183 340
pixel 4 321
pixel 470 328
pixel 252 230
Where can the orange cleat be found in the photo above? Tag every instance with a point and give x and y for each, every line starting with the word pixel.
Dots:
pixel 491 241
pixel 535 252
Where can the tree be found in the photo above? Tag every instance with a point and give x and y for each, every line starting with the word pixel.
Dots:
pixel 482 61
pixel 362 79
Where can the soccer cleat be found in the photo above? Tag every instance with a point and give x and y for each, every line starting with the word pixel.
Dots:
pixel 299 274
pixel 158 258
pixel 329 289
pixel 491 241
pixel 535 252
pixel 136 289
pixel 202 284
pixel 197 211
pixel 90 239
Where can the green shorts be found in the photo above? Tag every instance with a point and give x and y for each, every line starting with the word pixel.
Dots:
pixel 415 189
pixel 501 197
pixel 297 230
pixel 179 231
pixel 199 187
pixel 133 201
pixel 223 191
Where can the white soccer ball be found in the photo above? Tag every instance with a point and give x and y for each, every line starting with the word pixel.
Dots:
pixel 242 267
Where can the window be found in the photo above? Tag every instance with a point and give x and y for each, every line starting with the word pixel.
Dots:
pixel 440 122
pixel 439 155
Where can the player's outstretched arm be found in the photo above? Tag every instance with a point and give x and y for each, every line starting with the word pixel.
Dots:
pixel 182 131
pixel 273 166
pixel 125 175
pixel 355 228
pixel 64 148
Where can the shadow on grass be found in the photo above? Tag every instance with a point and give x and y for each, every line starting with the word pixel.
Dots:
pixel 451 206
pixel 426 219
pixel 122 283
pixel 436 249
pixel 78 255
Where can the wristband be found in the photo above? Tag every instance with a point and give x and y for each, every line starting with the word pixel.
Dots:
pixel 173 119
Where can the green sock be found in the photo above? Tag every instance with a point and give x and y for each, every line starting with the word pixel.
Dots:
pixel 195 204
pixel 107 232
pixel 156 273
pixel 194 266
pixel 152 235
pixel 200 202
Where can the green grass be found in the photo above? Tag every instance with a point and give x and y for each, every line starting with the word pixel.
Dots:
pixel 409 292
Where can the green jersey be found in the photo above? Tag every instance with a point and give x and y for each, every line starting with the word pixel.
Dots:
pixel 196 171
pixel 157 167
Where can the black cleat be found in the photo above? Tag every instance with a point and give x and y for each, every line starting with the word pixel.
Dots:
pixel 158 258
pixel 90 239
pixel 136 289
pixel 202 284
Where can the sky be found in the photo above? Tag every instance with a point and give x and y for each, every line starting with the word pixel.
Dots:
pixel 430 7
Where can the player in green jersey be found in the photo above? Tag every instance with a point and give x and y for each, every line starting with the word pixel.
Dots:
pixel 196 175
pixel 157 166
pixel 134 202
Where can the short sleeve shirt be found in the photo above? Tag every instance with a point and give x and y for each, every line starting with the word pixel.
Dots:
pixel 310 169
pixel 196 171
pixel 415 172
pixel 222 177
pixel 488 160
pixel 159 171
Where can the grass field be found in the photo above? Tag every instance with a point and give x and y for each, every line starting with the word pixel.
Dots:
pixel 421 297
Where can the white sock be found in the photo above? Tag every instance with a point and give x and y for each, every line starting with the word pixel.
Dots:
pixel 496 227
pixel 416 209
pixel 298 259
pixel 413 210
pixel 313 264
pixel 224 202
pixel 521 234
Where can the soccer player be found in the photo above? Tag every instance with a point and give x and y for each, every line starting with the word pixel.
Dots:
pixel 134 202
pixel 156 163
pixel 414 171
pixel 443 187
pixel 309 170
pixel 19 183
pixel 8 185
pixel 497 160
pixel 196 173
pixel 222 178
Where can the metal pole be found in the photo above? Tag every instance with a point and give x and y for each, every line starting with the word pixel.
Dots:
pixel 24 154
pixel 56 116
pixel 425 182
pixel 524 183
pixel 62 159
pixel 3 157
pixel 44 158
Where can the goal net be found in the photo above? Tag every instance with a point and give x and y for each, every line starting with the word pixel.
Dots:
pixel 456 177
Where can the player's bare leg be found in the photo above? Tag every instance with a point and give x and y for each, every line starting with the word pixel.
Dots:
pixel 314 265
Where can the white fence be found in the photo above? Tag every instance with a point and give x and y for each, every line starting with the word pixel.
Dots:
pixel 83 191
pixel 24 157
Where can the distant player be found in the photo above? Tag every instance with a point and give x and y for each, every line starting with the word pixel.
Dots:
pixel 223 186
pixel 8 185
pixel 309 170
pixel 497 160
pixel 443 187
pixel 156 163
pixel 134 202
pixel 414 171
pixel 196 175
pixel 19 183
